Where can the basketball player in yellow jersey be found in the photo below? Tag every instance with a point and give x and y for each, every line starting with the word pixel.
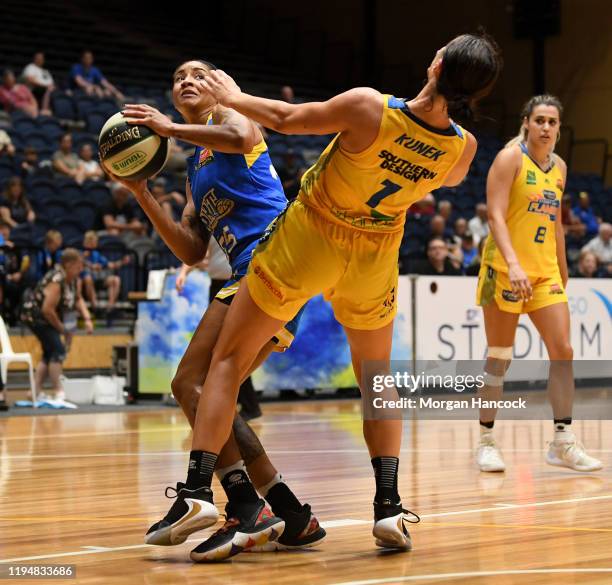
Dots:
pixel 524 270
pixel 342 235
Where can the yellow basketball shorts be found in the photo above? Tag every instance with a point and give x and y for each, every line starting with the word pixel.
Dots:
pixel 494 286
pixel 303 254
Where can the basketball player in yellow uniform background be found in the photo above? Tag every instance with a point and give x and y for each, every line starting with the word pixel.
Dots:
pixel 341 236
pixel 524 270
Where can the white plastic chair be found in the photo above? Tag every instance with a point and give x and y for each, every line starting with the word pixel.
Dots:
pixel 8 356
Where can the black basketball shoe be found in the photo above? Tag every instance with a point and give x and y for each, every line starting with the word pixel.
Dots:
pixel 245 527
pixel 192 511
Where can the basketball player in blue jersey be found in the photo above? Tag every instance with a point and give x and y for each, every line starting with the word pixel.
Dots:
pixel 233 193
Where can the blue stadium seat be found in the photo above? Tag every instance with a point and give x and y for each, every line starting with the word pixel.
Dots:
pixel 95 121
pixel 55 211
pixel 21 235
pixel 69 191
pixel 72 231
pixel 37 140
pixel 86 212
pixel 24 125
pixel 109 242
pixel 85 104
pixel 98 193
pixel 41 190
pixel 63 106
pixel 50 127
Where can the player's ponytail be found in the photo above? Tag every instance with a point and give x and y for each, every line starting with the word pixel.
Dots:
pixel 536 100
pixel 471 64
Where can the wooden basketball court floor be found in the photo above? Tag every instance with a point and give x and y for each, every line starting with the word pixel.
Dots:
pixel 82 490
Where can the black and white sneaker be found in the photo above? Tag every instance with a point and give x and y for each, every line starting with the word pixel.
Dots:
pixel 245 527
pixel 390 525
pixel 192 511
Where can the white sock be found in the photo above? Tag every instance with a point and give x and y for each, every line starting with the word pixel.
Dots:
pixel 223 471
pixel 563 432
pixel 263 490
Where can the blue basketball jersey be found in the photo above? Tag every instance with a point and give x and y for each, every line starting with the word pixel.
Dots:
pixel 236 197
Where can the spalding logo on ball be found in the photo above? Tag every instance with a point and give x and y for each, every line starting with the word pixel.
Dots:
pixel 131 151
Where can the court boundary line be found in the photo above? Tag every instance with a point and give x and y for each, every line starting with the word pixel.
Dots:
pixel 463 575
pixel 330 523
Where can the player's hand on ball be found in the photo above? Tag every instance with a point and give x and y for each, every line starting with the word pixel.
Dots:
pixel 136 187
pixel 148 116
pixel 221 86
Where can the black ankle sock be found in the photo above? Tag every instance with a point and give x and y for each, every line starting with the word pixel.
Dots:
pixel 385 472
pixel 201 468
pixel 281 498
pixel 238 488
pixel 561 423
pixel 488 425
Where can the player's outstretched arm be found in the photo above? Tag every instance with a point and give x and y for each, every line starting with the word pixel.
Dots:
pixel 356 112
pixel 231 133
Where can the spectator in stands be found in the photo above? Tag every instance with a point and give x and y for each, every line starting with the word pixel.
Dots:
pixel 58 293
pixel 478 225
pixel 16 96
pixel 468 250
pixel 601 246
pixel 92 170
pixel 459 230
pixel 438 262
pixel 15 209
pixel 31 166
pixel 50 255
pixel 120 217
pixel 40 82
pixel 587 266
pixel 14 266
pixel 574 229
pixel 290 174
pixel 584 212
pixel 287 94
pixel 425 207
pixel 445 209
pixel 172 202
pixel 99 272
pixel 474 268
pixel 6 145
pixel 86 76
pixel 438 229
pixel 66 162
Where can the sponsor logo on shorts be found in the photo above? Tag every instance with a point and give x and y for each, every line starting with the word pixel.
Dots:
pixel 555 289
pixel 266 280
pixel 509 296
pixel 388 303
pixel 531 178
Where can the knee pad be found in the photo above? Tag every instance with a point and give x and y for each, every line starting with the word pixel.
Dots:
pixel 497 353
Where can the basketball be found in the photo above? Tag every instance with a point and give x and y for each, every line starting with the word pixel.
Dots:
pixel 131 151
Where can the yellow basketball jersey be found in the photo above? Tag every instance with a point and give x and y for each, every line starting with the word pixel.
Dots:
pixel 371 190
pixel 535 201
